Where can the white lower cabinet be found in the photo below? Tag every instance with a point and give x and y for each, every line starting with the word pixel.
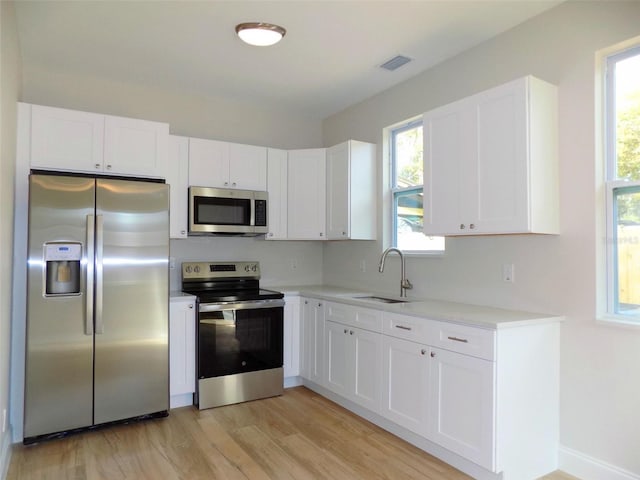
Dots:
pixel 406 384
pixel 291 336
pixel 353 363
pixel 484 400
pixel 182 350
pixel 312 339
pixel 461 409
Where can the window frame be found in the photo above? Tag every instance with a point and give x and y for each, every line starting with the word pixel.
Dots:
pixel 612 185
pixel 395 191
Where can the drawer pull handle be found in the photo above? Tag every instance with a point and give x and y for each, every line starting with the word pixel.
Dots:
pixel 456 339
pixel 402 327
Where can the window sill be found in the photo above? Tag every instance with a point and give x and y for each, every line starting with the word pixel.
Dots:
pixel 624 321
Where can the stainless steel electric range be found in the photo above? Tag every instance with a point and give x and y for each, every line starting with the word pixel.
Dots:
pixel 239 333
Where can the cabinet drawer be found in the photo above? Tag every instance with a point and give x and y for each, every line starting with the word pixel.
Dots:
pixel 476 342
pixel 415 329
pixel 365 318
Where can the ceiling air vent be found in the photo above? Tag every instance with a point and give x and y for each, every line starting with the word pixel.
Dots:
pixel 395 63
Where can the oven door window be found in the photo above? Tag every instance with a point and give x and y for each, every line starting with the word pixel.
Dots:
pixel 237 341
pixel 222 211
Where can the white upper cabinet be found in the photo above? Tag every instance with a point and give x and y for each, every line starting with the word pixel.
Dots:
pixel 178 180
pixel 227 165
pixel 351 191
pixel 307 195
pixel 277 173
pixel 491 162
pixel 137 147
pixel 69 140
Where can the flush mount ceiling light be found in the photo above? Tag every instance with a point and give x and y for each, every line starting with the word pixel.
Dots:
pixel 260 34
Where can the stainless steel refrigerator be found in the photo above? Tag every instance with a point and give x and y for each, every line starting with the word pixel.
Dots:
pixel 98 295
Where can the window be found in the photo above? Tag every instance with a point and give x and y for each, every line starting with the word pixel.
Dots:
pixel 622 106
pixel 406 187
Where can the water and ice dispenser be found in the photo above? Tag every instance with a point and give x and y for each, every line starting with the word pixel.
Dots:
pixel 62 268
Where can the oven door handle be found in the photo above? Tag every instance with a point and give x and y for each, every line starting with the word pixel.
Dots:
pixel 250 305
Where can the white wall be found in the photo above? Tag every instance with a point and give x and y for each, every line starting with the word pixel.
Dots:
pixel 9 93
pixel 281 262
pixel 600 368
pixel 190 115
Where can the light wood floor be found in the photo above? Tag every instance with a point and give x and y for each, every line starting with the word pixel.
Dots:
pixel 299 435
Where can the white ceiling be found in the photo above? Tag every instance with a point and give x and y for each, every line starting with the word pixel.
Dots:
pixel 327 61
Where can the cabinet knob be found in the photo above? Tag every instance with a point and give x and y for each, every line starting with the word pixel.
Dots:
pixel 433 354
pixel 270 234
pixel 350 332
pixel 345 330
pixel 462 226
pixel 344 234
pixel 226 184
pixel 183 232
pixel 306 302
pixel 423 351
pixel 108 167
pixel 233 184
pixel 472 226
pixel 97 165
pixel 319 304
pixel 191 305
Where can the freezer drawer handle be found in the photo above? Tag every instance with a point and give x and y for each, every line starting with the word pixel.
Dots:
pixel 402 327
pixel 99 257
pixel 88 321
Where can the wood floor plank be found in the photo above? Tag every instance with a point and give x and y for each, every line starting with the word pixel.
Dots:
pixel 299 435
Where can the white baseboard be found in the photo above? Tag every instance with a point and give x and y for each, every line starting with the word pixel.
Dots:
pixel 290 382
pixel 5 453
pixel 588 468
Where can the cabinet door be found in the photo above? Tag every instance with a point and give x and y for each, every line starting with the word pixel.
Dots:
pixel 247 167
pixel 338 358
pixel 66 139
pixel 447 147
pixel 178 180
pixel 135 147
pixel 208 163
pixel 366 384
pixel 405 384
pixel 277 189
pixel 182 347
pixel 338 204
pixel 306 189
pixel 497 180
pixel 291 351
pixel 461 405
pixel 313 334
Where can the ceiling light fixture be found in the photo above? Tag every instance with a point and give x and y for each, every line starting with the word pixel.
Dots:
pixel 260 34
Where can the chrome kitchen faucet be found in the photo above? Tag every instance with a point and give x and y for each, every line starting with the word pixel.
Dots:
pixel 405 284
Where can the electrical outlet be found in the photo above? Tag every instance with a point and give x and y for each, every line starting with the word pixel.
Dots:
pixel 508 273
pixel 4 420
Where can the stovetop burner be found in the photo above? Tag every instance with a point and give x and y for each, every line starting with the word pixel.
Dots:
pixel 215 282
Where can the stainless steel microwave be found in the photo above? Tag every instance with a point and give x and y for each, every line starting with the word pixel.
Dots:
pixel 227 211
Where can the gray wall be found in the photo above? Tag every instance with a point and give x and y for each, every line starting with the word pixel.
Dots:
pixel 9 94
pixel 600 364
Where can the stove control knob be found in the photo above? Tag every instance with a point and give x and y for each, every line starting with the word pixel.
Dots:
pixel 196 269
pixel 254 268
pixel 187 269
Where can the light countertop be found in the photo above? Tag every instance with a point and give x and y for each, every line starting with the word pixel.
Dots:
pixel 474 315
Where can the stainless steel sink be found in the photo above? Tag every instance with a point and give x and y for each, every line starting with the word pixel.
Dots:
pixel 381 299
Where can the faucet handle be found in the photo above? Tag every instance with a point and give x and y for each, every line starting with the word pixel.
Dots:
pixel 407 284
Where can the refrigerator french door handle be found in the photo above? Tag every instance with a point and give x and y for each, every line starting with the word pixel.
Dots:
pixel 99 268
pixel 88 321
